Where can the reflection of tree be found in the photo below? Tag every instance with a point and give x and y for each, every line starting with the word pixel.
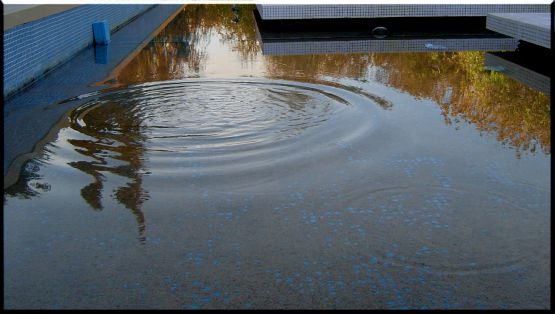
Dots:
pixel 110 137
pixel 171 54
pixel 493 102
pixel 312 66
pixel 179 50
pixel 519 115
pixel 28 183
pixel 115 134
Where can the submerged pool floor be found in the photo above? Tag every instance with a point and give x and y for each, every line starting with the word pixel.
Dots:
pixel 217 177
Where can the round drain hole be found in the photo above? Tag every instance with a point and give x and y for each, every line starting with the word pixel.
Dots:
pixel 379 32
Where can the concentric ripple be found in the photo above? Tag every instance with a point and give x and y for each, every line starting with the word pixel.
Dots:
pixel 221 128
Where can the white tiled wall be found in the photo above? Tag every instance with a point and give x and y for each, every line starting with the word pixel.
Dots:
pixel 32 48
pixel 277 12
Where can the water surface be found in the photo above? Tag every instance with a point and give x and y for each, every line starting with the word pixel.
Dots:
pixel 217 177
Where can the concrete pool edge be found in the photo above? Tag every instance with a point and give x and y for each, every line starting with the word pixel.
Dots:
pixel 530 27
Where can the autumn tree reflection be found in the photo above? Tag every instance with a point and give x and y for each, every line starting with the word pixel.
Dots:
pixel 312 67
pixel 456 81
pixel 114 147
pixel 109 137
pixel 492 102
pixel 30 182
pixel 180 49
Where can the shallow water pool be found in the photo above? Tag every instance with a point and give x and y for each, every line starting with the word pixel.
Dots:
pixel 214 176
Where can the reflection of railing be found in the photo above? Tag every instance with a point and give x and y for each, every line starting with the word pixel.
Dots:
pixel 518 72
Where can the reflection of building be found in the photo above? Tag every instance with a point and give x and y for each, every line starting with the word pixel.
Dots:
pixel 501 63
pixel 384 45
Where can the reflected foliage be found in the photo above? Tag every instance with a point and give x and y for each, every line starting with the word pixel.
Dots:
pixel 29 184
pixel 110 140
pixel 518 115
pixel 181 49
pixel 114 147
pixel 311 67
pixel 492 102
pixel 456 81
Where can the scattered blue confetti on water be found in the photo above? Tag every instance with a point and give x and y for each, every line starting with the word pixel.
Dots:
pixel 193 306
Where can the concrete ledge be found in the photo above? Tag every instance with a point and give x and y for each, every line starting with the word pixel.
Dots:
pixel 530 27
pixel 16 14
pixel 287 12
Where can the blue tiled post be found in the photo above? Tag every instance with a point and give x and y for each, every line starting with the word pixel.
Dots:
pixel 101 32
